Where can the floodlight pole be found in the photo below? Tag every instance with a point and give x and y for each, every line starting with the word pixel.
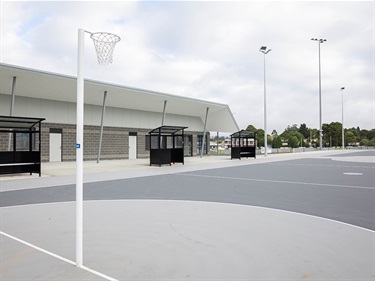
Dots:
pixel 342 115
pixel 320 41
pixel 79 150
pixel 264 50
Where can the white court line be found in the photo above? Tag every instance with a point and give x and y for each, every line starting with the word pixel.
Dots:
pixel 311 216
pixel 58 257
pixel 277 181
pixel 322 165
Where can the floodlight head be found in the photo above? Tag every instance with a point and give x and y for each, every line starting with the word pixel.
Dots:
pixel 264 50
pixel 319 40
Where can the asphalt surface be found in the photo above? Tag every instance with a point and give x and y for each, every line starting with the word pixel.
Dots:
pixel 342 191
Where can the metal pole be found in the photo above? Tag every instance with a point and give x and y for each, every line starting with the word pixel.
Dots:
pixel 217 143
pixel 265 109
pixel 204 133
pixel 264 50
pixel 320 103
pixel 40 148
pixel 79 151
pixel 101 127
pixel 342 115
pixel 12 107
pixel 12 100
pixel 165 105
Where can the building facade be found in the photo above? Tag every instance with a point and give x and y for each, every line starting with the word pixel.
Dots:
pixel 117 119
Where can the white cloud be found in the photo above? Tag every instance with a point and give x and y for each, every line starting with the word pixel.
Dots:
pixel 209 50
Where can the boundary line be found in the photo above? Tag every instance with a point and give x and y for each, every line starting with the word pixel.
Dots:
pixel 293 213
pixel 322 165
pixel 277 181
pixel 58 257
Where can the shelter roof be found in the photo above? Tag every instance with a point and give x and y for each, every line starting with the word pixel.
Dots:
pixel 167 130
pixel 52 86
pixel 243 134
pixel 13 122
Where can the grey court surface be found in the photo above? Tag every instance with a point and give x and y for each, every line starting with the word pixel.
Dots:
pixel 307 216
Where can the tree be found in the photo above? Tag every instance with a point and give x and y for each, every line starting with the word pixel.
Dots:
pixel 371 134
pixel 314 133
pixel 363 134
pixel 293 142
pixel 332 134
pixel 290 131
pixel 304 130
pixel 285 134
pixel 336 133
pixel 354 131
pixel 365 142
pixel 274 134
pixel 260 137
pixel 326 134
pixel 293 128
pixel 277 143
pixel 349 137
pixel 251 128
pixel 305 143
pixel 269 140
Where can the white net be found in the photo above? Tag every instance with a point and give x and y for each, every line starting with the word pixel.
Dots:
pixel 104 44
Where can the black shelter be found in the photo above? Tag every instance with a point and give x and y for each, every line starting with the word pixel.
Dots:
pixel 20 145
pixel 243 144
pixel 166 145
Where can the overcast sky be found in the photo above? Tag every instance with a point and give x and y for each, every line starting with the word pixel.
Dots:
pixel 210 50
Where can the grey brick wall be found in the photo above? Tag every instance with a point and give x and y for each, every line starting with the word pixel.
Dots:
pixel 115 142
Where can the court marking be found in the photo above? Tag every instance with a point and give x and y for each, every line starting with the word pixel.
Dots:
pixel 323 165
pixel 353 174
pixel 278 181
pixel 57 256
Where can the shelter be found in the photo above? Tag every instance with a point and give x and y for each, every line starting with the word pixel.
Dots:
pixel 20 146
pixel 243 144
pixel 167 145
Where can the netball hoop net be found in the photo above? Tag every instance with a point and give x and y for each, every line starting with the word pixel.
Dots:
pixel 104 43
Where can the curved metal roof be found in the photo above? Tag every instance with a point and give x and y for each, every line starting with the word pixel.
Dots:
pixel 46 85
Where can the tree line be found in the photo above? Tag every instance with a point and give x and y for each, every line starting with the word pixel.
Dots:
pixel 301 136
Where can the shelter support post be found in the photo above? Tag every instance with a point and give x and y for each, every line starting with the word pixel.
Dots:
pixel 101 127
pixel 12 101
pixel 12 107
pixel 165 105
pixel 217 143
pixel 40 147
pixel 204 133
